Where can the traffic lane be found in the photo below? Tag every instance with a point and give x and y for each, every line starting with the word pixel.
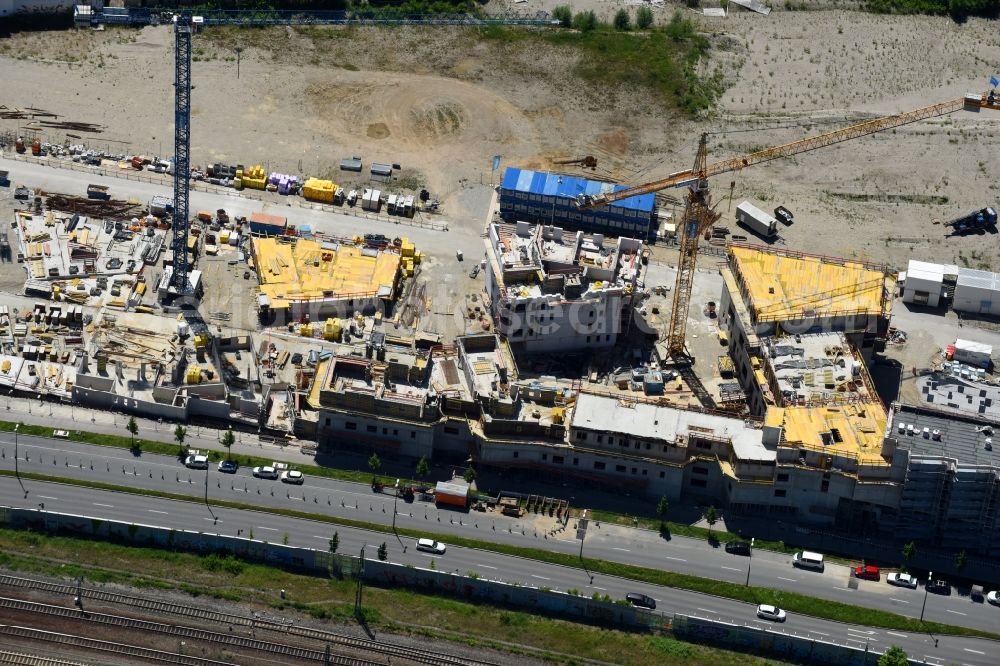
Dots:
pixel 165 473
pixel 301 532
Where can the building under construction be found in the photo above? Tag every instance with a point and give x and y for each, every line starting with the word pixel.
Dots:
pixel 304 279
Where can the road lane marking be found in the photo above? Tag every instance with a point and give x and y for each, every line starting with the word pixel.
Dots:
pixel 813 631
pixel 108 506
pixel 862 632
pixel 47 497
pixel 899 601
pixel 955 612
pixel 540 577
pixel 155 511
pixel 603 589
pixel 316 536
pixel 624 550
pixel 272 529
pixel 676 559
pixel 896 634
pixel 732 569
pixel 705 610
pixel 486 566
pixel 790 580
pixel 973 651
pixel 842 589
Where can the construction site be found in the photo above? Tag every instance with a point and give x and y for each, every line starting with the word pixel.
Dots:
pixel 623 330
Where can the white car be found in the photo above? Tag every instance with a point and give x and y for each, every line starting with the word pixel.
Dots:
pixel 293 476
pixel 430 546
pixel 773 613
pixel 196 462
pixel 61 434
pixel 993 597
pixel 265 472
pixel 902 580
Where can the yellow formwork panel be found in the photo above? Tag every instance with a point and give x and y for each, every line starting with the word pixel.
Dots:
pixel 784 287
pixel 305 270
pixel 855 429
pixel 315 189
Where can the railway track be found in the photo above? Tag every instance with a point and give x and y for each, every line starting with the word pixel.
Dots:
pixel 21 659
pixel 121 649
pixel 428 657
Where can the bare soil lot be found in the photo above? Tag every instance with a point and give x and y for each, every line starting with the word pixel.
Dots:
pixel 443 101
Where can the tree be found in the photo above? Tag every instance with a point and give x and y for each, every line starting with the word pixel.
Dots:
pixel 585 21
pixel 180 432
pixel 423 469
pixel 374 463
pixel 228 439
pixel 383 552
pixel 644 17
pixel 909 552
pixel 711 517
pixel 133 429
pixel 622 20
pixel 564 15
pixel 961 560
pixel 894 656
pixel 661 507
pixel 334 542
pixel 470 474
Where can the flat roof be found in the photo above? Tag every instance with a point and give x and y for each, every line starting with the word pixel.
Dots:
pixel 785 285
pixel 922 270
pixel 642 419
pixel 570 187
pixel 970 277
pixel 960 438
pixel 948 392
pixel 856 430
pixel 307 270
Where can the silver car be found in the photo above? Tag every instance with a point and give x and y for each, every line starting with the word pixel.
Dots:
pixel 768 612
pixel 902 580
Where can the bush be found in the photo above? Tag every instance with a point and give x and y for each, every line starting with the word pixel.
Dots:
pixel 585 21
pixel 622 20
pixel 564 15
pixel 644 17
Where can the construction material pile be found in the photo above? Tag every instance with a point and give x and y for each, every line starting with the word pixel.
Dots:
pixel 107 209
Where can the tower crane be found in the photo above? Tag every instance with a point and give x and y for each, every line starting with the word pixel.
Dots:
pixel 699 214
pixel 187 24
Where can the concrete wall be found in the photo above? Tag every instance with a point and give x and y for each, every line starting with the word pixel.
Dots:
pixel 104 400
pixel 806 650
pixel 10 7
pixel 371 433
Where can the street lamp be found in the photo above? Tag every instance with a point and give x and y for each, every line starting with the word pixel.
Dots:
pixel 930 576
pixel 750 561
pixel 17 472
pixel 395 499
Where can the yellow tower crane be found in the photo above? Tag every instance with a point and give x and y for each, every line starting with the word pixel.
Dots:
pixel 699 214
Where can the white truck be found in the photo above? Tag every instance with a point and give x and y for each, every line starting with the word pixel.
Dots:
pixel 756 220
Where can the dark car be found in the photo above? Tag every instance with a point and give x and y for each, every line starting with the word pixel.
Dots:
pixel 296 358
pixel 784 215
pixel 738 547
pixel 641 600
pixel 229 466
pixel 938 586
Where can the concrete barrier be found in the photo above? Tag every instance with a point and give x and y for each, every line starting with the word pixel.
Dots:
pixel 803 649
pixel 324 563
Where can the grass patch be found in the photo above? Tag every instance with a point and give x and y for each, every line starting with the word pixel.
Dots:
pixel 478 625
pixel 957 9
pixel 791 601
pixel 663 60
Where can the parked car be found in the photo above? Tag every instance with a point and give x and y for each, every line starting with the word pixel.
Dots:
pixel 474 273
pixel 867 572
pixel 993 597
pixel 431 546
pixel 61 434
pixel 902 580
pixel 196 462
pixel 784 215
pixel 293 476
pixel 768 612
pixel 738 547
pixel 641 600
pixel 229 466
pixel 938 586
pixel 296 358
pixel 266 472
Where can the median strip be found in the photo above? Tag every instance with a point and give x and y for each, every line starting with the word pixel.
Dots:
pixel 790 601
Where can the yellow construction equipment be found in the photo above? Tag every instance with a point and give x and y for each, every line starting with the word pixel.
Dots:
pixel 699 214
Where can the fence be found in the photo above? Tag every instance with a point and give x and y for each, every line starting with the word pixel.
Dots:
pixel 140 176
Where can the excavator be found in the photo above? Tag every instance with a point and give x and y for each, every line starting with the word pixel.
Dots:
pixel 699 213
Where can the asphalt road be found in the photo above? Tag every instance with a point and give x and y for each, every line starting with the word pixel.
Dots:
pixel 195 515
pixel 613 543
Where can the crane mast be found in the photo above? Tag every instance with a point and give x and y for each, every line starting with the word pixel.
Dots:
pixel 183 29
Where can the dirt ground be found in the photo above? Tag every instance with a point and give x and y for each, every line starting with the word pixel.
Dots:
pixel 442 102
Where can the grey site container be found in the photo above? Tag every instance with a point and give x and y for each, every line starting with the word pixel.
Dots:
pixel 351 165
